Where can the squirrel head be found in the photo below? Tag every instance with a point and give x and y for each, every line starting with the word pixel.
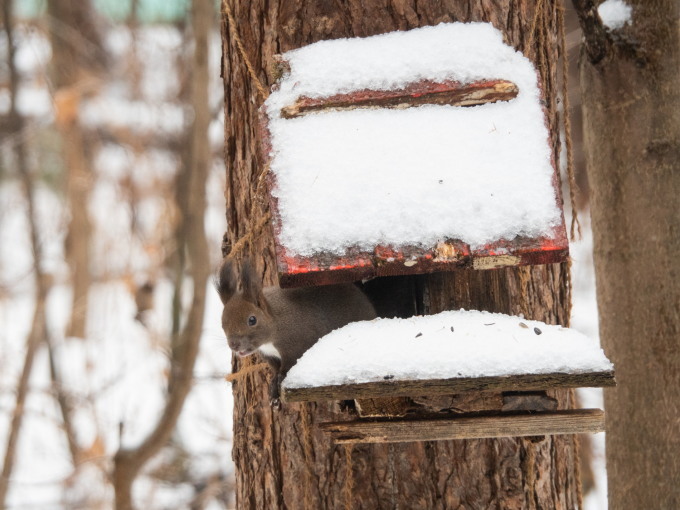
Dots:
pixel 246 318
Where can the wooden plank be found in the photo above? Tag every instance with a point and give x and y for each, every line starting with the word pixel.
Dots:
pixel 326 268
pixel 416 94
pixel 572 421
pixel 395 388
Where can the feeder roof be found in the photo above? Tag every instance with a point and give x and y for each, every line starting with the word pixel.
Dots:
pixel 355 179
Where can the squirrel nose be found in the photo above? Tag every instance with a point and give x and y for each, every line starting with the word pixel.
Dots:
pixel 235 344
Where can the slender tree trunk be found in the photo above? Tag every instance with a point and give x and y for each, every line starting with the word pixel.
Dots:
pixel 37 331
pixel 282 459
pixel 76 53
pixel 631 103
pixel 191 239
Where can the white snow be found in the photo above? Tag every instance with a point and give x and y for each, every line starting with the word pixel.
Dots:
pixel 417 175
pixel 482 344
pixel 615 13
pixel 584 318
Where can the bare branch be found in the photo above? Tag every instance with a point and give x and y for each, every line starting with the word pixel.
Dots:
pixel 597 41
pixel 38 324
pixel 63 400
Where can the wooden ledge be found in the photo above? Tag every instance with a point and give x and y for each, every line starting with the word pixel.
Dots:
pixel 416 94
pixel 572 421
pixel 411 388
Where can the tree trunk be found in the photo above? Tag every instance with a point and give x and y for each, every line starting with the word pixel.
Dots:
pixel 631 105
pixel 282 459
pixel 192 242
pixel 77 53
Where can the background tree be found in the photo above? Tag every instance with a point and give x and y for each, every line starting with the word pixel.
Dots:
pixel 112 146
pixel 631 114
pixel 282 459
pixel 78 59
pixel 191 259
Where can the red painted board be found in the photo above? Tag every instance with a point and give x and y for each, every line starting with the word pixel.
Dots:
pixel 355 264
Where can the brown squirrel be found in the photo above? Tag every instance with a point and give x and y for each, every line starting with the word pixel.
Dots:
pixel 283 323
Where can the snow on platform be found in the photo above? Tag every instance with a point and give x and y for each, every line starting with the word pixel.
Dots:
pixel 453 344
pixel 413 176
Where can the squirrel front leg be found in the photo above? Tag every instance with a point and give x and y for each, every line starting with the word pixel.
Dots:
pixel 274 385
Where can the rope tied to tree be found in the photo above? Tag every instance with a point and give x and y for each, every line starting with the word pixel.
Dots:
pixel 226 9
pixel 534 23
pixel 539 34
pixel 573 190
pixel 256 227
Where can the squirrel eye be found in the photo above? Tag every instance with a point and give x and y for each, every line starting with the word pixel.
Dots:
pixel 252 320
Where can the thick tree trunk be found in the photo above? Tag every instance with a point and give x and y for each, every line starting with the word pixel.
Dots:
pixel 631 103
pixel 282 459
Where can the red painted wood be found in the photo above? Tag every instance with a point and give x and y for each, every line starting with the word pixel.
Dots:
pixel 414 94
pixel 353 265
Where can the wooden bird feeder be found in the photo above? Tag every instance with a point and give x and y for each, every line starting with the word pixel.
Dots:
pixel 411 153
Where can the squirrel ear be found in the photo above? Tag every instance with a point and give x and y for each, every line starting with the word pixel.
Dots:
pixel 252 287
pixel 225 281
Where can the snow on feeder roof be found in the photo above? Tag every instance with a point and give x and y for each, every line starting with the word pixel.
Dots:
pixel 377 169
pixel 446 353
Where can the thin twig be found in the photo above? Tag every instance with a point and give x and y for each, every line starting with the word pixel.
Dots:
pixel 38 323
pixel 597 41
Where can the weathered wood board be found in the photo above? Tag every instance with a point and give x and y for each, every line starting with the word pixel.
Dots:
pixel 392 388
pixel 572 421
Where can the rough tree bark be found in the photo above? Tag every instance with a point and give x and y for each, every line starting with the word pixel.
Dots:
pixel 282 459
pixel 631 103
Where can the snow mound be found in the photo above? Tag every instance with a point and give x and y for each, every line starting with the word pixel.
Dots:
pixel 447 345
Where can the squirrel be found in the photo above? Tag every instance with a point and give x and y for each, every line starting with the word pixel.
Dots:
pixel 282 324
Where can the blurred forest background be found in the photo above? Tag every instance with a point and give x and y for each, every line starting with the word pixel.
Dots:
pixel 96 282
pixel 111 219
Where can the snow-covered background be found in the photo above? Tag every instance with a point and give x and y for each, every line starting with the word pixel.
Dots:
pixel 115 377
pixel 493 159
